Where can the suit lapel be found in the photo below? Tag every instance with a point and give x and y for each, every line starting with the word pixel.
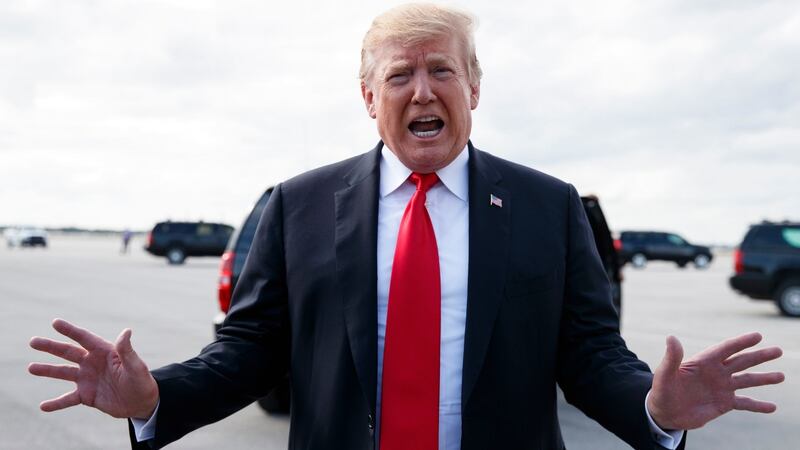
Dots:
pixel 489 236
pixel 356 266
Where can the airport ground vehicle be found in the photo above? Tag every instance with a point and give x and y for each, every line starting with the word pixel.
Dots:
pixel 638 247
pixel 25 237
pixel 277 401
pixel 767 265
pixel 179 240
pixel 236 253
pixel 605 247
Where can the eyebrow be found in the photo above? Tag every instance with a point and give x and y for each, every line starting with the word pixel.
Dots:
pixel 438 58
pixel 430 59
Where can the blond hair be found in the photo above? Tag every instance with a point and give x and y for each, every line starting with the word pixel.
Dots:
pixel 416 23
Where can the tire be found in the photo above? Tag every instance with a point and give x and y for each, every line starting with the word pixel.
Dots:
pixel 681 264
pixel 787 297
pixel 278 400
pixel 701 261
pixel 638 260
pixel 176 255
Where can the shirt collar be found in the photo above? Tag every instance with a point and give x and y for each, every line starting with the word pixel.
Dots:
pixel 454 176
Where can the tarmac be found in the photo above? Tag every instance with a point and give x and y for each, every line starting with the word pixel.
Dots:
pixel 85 279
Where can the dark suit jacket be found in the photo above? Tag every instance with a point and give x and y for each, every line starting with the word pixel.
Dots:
pixel 539 312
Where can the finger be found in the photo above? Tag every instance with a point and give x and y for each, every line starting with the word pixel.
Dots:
pixel 125 348
pixel 750 404
pixel 60 371
pixel 737 363
pixel 64 350
pixel 748 380
pixel 64 401
pixel 86 338
pixel 730 346
pixel 673 356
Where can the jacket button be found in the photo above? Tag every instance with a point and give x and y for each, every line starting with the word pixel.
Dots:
pixel 371 422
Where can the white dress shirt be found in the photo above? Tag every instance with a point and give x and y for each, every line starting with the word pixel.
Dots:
pixel 448 206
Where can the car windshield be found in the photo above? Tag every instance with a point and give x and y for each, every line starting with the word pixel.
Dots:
pixel 675 239
pixel 791 236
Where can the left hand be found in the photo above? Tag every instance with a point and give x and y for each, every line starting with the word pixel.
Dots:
pixel 688 394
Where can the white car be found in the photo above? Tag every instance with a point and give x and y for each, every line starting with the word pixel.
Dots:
pixel 25 237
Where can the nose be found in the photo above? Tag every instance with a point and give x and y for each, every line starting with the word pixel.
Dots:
pixel 423 93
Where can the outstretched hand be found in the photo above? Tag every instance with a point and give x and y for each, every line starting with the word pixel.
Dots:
pixel 688 394
pixel 109 376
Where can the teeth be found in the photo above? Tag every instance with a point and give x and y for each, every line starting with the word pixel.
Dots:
pixel 426 119
pixel 425 134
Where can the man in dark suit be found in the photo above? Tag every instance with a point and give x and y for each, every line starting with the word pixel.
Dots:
pixel 423 295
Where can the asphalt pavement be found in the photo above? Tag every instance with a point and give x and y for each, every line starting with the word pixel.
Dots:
pixel 85 279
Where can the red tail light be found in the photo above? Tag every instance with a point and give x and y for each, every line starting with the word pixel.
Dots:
pixel 617 244
pixel 149 239
pixel 738 261
pixel 225 287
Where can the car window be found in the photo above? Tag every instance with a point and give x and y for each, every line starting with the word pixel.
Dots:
pixel 768 236
pixel 675 239
pixel 182 228
pixel 224 230
pixel 791 236
pixel 631 237
pixel 656 238
pixel 248 231
pixel 205 229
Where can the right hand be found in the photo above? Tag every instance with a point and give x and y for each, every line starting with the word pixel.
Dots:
pixel 109 376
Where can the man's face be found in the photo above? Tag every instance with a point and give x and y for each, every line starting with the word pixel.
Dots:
pixel 422 100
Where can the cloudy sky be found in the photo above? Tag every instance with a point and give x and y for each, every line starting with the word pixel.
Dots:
pixel 681 115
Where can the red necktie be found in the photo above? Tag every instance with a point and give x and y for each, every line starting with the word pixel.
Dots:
pixel 410 388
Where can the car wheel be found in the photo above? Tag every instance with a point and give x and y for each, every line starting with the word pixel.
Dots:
pixel 701 261
pixel 278 400
pixel 176 255
pixel 788 297
pixel 638 260
pixel 681 264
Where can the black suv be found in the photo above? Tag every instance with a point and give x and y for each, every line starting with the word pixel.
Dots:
pixel 277 401
pixel 234 257
pixel 605 247
pixel 767 265
pixel 637 247
pixel 177 240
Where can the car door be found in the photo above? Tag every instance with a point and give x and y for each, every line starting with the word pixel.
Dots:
pixel 678 248
pixel 205 240
pixel 657 246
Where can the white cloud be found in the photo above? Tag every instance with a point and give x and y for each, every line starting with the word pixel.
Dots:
pixel 681 115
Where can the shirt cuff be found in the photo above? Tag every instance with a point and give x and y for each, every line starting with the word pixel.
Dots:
pixel 668 439
pixel 146 429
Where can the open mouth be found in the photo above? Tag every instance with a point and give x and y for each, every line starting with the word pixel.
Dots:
pixel 426 126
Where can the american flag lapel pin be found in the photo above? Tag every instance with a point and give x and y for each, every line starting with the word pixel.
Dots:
pixel 495 201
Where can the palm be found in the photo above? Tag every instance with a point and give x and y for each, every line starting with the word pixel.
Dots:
pixel 100 381
pixel 688 394
pixel 108 376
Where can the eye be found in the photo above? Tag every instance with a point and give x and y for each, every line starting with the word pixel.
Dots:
pixel 442 72
pixel 397 77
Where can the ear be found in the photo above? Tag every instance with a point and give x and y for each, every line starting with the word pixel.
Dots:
pixel 474 94
pixel 369 99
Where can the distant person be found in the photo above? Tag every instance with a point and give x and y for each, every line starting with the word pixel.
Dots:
pixel 126 239
pixel 424 295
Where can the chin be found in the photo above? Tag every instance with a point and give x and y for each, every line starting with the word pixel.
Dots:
pixel 429 163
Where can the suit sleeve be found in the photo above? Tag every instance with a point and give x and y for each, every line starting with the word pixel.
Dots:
pixel 596 371
pixel 251 353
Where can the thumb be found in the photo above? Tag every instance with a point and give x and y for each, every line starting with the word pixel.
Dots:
pixel 124 348
pixel 673 356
